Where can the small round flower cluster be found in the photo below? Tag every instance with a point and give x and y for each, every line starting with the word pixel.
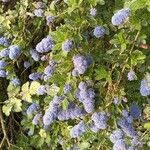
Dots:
pixel 100 120
pixel 35 76
pixel 14 52
pixel 3 64
pixel 145 87
pixel 32 108
pixel 99 31
pixel 42 90
pixel 120 17
pixel 4 41
pixel 39 12
pixel 78 130
pixel 35 55
pixel 93 11
pixel 49 70
pixel 86 95
pixel 36 119
pixel 53 110
pixel 131 75
pixel 26 64
pixel 16 82
pixel 135 111
pixel 126 125
pixel 117 101
pixel 4 53
pixel 67 45
pixel 81 63
pixel 67 88
pixel 45 45
pixel 50 19
pixel 71 113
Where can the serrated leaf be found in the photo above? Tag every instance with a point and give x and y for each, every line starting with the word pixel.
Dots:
pixel 84 146
pixel 101 73
pixel 7 109
pixel 33 87
pixel 16 104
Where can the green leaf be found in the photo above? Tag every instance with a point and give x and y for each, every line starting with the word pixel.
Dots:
pixel 138 4
pixel 33 87
pixel 16 104
pixel 53 90
pixel 7 109
pixel 147 126
pixel 84 146
pixel 101 73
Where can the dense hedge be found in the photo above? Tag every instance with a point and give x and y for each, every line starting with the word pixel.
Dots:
pixel 74 74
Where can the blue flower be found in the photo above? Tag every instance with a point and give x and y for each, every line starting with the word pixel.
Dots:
pixel 131 75
pixel 4 52
pixel 4 41
pixel 99 31
pixel 42 90
pixel 100 119
pixel 34 76
pixel 120 17
pixel 16 82
pixel 32 108
pixel 45 45
pixel 36 119
pixel 67 45
pixel 2 64
pixel 93 11
pixel 39 12
pixel 50 19
pixel 116 135
pixel 135 111
pixel 78 130
pixel 120 145
pixel 67 88
pixel 3 74
pixel 26 64
pixel 35 55
pixel 14 52
pixel 145 87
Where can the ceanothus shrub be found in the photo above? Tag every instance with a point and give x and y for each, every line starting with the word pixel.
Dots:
pixel 74 74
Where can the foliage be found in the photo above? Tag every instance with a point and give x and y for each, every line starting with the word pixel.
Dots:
pixel 91 53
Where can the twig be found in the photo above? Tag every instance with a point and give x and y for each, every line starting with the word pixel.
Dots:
pixel 4 131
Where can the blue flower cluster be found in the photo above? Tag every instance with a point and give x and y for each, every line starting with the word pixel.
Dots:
pixel 26 64
pixel 93 11
pixel 50 19
pixel 51 113
pixel 78 130
pixel 3 64
pixel 42 90
pixel 4 53
pixel 145 87
pixel 35 76
pixel 45 45
pixel 100 120
pixel 120 17
pixel 117 101
pixel 39 12
pixel 81 63
pixel 49 70
pixel 135 111
pixel 71 113
pixel 67 45
pixel 67 88
pixel 32 108
pixel 3 74
pixel 99 31
pixel 36 119
pixel 131 75
pixel 35 55
pixel 14 52
pixel 86 95
pixel 4 41
pixel 16 81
